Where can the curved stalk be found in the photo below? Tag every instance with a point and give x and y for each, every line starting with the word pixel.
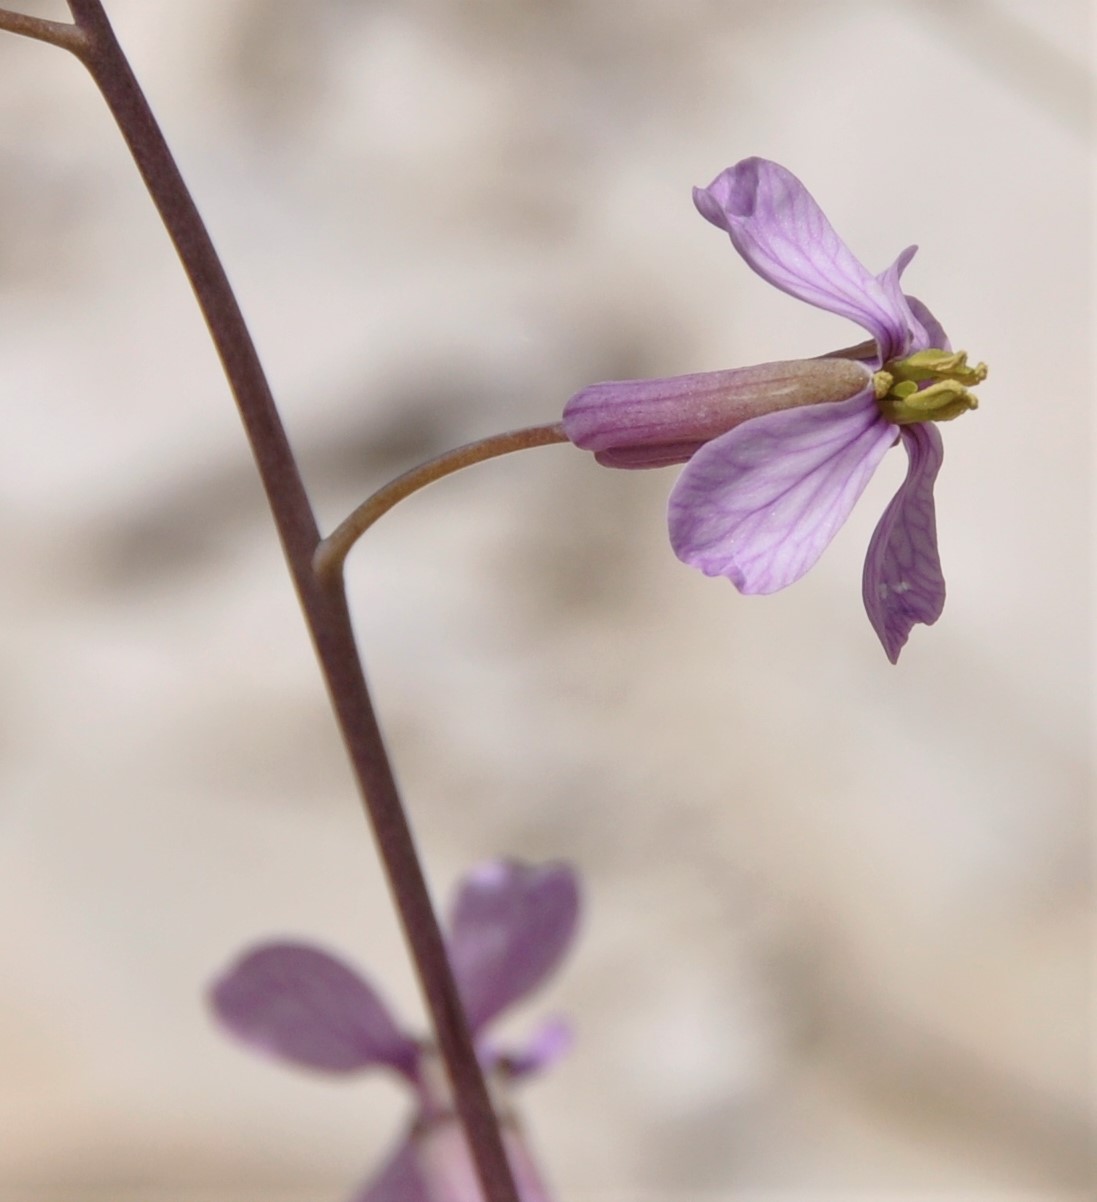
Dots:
pixel 332 552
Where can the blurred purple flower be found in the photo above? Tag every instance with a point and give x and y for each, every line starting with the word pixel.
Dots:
pixel 778 454
pixel 509 928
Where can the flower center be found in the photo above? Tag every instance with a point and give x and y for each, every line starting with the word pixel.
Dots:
pixel 928 386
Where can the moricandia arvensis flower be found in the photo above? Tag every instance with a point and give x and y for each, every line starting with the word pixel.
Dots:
pixel 509 928
pixel 777 455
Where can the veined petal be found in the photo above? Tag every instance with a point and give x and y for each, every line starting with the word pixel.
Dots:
pixel 775 224
pixel 511 925
pixel 935 334
pixel 903 583
pixel 400 1180
pixel 760 504
pixel 915 336
pixel 297 1003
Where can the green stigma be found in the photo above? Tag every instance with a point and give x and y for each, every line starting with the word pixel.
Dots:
pixel 928 386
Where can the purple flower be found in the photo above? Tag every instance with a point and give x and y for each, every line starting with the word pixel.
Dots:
pixel 778 454
pixel 509 929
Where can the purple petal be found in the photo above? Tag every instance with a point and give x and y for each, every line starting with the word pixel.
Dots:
pixel 916 337
pixel 935 335
pixel 760 504
pixel 446 1165
pixel 527 1177
pixel 510 927
pixel 297 1003
pixel 785 237
pixel 398 1181
pixel 550 1042
pixel 902 583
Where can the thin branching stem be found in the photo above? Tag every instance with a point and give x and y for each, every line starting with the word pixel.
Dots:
pixel 333 550
pixel 58 33
pixel 323 601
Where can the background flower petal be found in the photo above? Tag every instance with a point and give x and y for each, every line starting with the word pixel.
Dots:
pixel 446 1168
pixel 510 926
pixel 398 1181
pixel 550 1041
pixel 903 583
pixel 760 504
pixel 298 1003
pixel 780 231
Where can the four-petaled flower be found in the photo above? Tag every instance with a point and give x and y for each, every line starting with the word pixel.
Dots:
pixel 778 454
pixel 509 928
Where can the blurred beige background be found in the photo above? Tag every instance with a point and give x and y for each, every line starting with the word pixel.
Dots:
pixel 839 915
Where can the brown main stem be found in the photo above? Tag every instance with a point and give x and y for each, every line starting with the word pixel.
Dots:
pixel 324 602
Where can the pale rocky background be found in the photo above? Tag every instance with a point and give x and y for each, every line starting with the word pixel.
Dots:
pixel 839 931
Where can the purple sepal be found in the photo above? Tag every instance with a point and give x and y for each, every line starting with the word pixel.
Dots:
pixel 760 504
pixel 655 423
pixel 903 583
pixel 785 237
pixel 510 926
pixel 297 1003
pixel 400 1180
pixel 637 458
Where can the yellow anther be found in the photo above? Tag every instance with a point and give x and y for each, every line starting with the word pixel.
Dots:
pixel 924 366
pixel 940 402
pixel 930 385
